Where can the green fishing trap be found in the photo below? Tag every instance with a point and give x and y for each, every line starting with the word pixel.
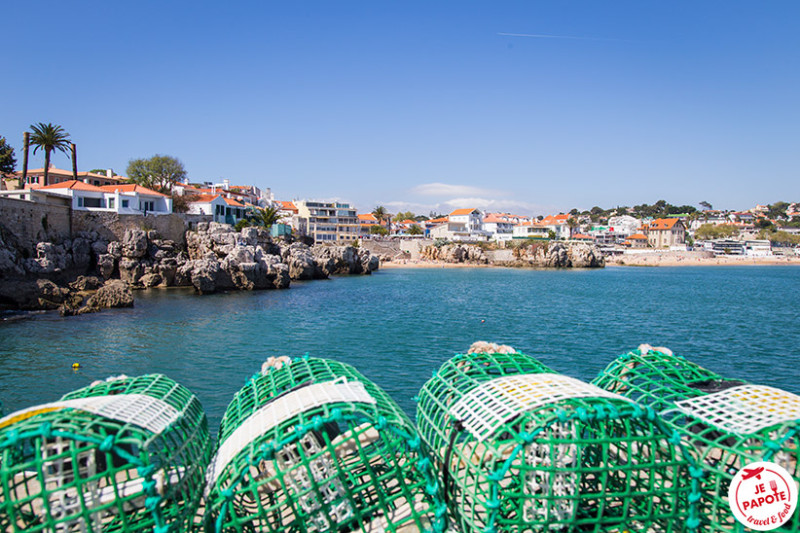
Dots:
pixel 125 454
pixel 311 445
pixel 521 448
pixel 726 423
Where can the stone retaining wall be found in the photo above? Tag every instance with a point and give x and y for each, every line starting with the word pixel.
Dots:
pixel 112 226
pixel 32 222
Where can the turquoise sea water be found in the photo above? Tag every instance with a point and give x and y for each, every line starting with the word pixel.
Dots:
pixel 398 326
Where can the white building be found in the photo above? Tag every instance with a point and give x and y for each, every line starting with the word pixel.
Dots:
pixel 499 226
pixel 462 225
pixel 127 199
pixel 531 230
pixel 624 226
pixel 222 209
pixel 758 248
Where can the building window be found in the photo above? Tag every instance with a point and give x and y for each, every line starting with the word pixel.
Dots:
pixel 124 203
pixel 80 201
pixel 111 203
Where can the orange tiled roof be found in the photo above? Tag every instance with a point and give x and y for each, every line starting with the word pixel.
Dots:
pixel 555 220
pixel 581 236
pixel 131 187
pixel 462 211
pixel 494 217
pixel 231 201
pixel 287 206
pixel 203 198
pixel 72 184
pixel 440 220
pixel 663 223
pixel 368 217
pixel 637 236
pixel 61 172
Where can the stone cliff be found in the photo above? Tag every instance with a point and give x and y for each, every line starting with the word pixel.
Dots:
pixel 87 272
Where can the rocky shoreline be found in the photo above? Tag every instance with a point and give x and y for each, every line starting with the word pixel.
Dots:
pixel 88 273
pixel 535 255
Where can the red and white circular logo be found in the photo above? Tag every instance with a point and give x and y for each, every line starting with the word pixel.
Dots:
pixel 763 496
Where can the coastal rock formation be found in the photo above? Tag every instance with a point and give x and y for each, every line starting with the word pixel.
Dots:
pixel 455 253
pixel 219 258
pixel 332 260
pixel 216 258
pixel 553 254
pixel 114 293
pixel 301 262
pixel 558 255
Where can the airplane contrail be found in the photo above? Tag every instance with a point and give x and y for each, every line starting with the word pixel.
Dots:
pixel 546 36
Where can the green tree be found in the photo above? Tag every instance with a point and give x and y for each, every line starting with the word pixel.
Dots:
pixel 7 161
pixel 784 237
pixel 712 231
pixel 49 137
pixel 159 173
pixel 102 171
pixel 706 206
pixel 415 230
pixel 572 222
pixel 268 216
pixel 763 223
pixel 382 215
pixel 777 210
pixel 378 230
pixel 401 216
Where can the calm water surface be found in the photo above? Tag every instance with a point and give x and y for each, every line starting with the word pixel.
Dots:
pixel 398 326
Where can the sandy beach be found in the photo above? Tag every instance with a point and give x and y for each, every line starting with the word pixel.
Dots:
pixel 672 259
pixel 666 259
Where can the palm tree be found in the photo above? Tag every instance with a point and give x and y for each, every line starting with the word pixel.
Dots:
pixel 572 222
pixel 49 137
pixel 381 214
pixel 268 216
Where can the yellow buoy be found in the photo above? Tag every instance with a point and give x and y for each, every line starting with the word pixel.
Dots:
pixel 76 366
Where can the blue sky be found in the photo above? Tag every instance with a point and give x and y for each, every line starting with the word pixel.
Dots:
pixel 530 107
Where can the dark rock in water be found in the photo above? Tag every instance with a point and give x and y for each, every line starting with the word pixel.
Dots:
pixel 86 283
pixel 150 280
pixel 114 293
pixel 167 268
pixel 105 265
pixel 51 296
pixel 130 270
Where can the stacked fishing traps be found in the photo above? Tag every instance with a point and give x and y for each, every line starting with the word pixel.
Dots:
pixel 726 423
pixel 125 454
pixel 311 445
pixel 522 448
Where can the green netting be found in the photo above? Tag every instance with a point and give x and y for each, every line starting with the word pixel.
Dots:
pixel 313 445
pixel 726 423
pixel 524 449
pixel 125 454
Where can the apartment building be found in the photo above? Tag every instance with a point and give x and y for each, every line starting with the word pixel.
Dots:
pixel 327 222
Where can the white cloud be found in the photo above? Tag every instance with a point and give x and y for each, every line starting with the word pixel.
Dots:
pixel 493 204
pixel 446 189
